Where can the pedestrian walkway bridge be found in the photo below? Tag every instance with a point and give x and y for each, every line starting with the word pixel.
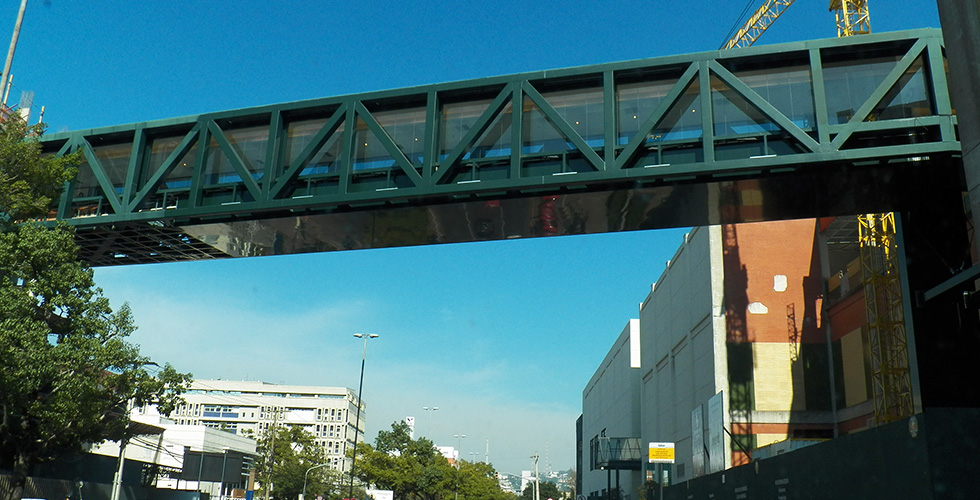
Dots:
pixel 821 127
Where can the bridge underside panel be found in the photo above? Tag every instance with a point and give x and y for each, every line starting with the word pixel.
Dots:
pixel 819 191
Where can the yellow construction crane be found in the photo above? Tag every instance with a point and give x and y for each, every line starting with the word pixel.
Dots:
pixel 852 19
pixel 758 23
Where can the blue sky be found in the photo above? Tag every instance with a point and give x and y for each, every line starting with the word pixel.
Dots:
pixel 501 336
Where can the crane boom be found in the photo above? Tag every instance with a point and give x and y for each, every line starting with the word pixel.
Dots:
pixel 758 23
pixel 852 17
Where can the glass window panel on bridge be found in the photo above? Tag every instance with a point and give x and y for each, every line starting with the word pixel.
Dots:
pixel 251 144
pixel 909 97
pixel 849 83
pixel 676 139
pixel 375 167
pixel 406 127
pixel 582 110
pixel 299 134
pixel 175 185
pixel 222 180
pixel 114 160
pixel 790 90
pixel 489 156
pixel 88 200
pixel 635 102
pixel 545 149
pixel 742 130
pixel 218 168
pixel 319 175
pixel 457 119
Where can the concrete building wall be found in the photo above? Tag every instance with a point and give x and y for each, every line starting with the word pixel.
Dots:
pixel 774 296
pixel 679 329
pixel 611 408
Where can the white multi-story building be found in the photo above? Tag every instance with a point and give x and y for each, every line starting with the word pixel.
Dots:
pixel 250 408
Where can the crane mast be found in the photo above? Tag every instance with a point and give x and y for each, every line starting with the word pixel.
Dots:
pixel 852 17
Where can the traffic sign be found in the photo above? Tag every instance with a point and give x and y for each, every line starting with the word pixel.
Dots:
pixel 661 453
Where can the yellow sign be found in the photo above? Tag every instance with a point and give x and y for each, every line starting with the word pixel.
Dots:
pixel 661 453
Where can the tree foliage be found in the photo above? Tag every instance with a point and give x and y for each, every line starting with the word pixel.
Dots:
pixel 29 182
pixel 285 454
pixel 547 490
pixel 414 470
pixel 67 372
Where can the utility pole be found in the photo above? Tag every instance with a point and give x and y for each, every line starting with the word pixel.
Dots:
pixel 117 478
pixel 272 450
pixel 537 484
pixel 13 46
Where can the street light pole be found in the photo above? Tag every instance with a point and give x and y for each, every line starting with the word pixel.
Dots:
pixel 431 410
pixel 357 419
pixel 224 463
pixel 459 456
pixel 305 476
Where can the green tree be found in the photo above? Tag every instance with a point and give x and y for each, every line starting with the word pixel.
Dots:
pixel 67 372
pixel 478 481
pixel 331 484
pixel 548 490
pixel 414 470
pixel 285 454
pixel 29 181
pixel 411 468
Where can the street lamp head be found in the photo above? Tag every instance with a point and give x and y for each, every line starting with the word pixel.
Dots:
pixel 368 335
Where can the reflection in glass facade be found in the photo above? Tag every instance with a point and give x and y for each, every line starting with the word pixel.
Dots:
pixel 683 120
pixel 115 163
pixel 406 127
pixel 790 90
pixel 250 144
pixel 848 84
pixel 582 110
pixel 456 121
pixel 733 115
pixel 218 169
pixel 906 99
pixel 495 140
pixel 634 104
pixel 369 153
pixel 540 135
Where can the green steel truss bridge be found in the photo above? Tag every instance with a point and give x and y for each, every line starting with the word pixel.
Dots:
pixel 826 127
